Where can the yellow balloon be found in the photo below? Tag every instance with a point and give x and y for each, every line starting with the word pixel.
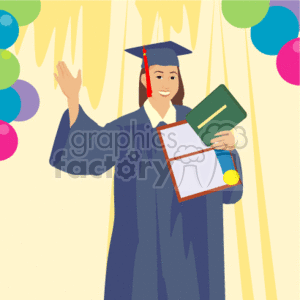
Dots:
pixel 231 177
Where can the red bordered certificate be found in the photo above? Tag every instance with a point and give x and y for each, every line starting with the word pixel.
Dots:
pixel 194 167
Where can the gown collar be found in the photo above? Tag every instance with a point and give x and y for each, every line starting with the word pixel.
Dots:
pixel 155 117
pixel 143 118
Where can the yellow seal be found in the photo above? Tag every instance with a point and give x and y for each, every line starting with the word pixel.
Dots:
pixel 231 177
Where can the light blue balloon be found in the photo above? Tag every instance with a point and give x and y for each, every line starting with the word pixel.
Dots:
pixel 9 29
pixel 279 26
pixel 10 104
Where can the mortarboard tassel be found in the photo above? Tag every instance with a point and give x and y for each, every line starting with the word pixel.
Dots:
pixel 149 89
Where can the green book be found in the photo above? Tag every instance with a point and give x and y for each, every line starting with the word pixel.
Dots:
pixel 219 111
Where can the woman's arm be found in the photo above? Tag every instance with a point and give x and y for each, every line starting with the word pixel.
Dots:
pixel 80 150
pixel 77 148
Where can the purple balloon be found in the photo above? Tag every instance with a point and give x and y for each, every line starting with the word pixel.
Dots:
pixel 292 5
pixel 30 100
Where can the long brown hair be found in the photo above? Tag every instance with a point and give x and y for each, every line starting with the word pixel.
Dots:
pixel 177 99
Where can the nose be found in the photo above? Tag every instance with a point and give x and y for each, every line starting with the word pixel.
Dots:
pixel 165 84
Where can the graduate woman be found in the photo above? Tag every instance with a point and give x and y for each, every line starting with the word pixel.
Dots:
pixel 160 248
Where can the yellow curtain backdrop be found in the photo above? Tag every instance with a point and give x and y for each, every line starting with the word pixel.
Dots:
pixel 65 232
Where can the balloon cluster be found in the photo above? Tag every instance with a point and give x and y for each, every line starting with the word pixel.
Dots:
pixel 19 100
pixel 274 30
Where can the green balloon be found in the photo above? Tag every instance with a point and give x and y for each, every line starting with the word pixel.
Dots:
pixel 9 69
pixel 244 13
pixel 25 12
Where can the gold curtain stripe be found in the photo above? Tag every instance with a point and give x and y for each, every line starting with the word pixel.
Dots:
pixel 120 108
pixel 244 262
pixel 269 276
pixel 210 54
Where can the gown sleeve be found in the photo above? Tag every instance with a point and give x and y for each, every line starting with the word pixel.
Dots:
pixel 83 157
pixel 234 194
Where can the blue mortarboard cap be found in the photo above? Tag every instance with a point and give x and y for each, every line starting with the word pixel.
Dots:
pixel 163 54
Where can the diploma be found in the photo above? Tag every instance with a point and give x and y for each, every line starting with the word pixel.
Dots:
pixel 194 167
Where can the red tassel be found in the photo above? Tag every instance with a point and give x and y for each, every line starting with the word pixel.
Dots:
pixel 149 89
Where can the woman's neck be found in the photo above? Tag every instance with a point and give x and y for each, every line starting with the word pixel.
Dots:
pixel 161 107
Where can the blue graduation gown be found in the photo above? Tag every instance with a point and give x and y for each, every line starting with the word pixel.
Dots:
pixel 160 248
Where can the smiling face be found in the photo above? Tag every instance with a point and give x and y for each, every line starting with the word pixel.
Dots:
pixel 164 82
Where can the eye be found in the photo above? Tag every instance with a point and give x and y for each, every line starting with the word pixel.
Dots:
pixel 159 77
pixel 172 77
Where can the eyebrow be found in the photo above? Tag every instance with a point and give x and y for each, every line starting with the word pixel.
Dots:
pixel 163 72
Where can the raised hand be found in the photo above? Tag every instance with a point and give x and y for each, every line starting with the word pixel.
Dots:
pixel 70 86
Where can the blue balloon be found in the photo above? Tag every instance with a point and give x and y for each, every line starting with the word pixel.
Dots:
pixel 9 29
pixel 10 104
pixel 279 26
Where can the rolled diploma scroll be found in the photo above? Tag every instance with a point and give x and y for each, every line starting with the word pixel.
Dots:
pixel 230 175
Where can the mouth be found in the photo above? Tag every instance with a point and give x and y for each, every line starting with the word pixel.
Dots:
pixel 164 93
